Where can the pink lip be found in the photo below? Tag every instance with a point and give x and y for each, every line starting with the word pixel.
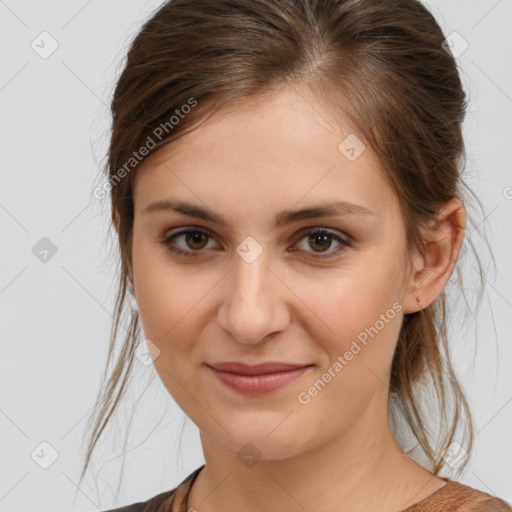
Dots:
pixel 257 379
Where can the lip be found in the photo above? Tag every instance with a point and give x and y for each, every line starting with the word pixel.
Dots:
pixel 255 369
pixel 257 379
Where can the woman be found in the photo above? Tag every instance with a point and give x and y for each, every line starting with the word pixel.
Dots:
pixel 285 178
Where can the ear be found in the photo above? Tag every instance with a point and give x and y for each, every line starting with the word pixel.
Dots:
pixel 433 264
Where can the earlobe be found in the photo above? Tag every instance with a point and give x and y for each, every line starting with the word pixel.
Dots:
pixel 434 262
pixel 413 301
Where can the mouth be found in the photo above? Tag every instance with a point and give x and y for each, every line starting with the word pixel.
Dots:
pixel 257 379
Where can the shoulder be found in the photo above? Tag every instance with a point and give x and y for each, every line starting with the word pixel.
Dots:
pixel 457 497
pixel 151 504
pixel 168 500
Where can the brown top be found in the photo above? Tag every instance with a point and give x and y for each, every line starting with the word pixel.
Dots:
pixel 453 497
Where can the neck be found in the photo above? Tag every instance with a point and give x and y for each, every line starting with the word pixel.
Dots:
pixel 363 468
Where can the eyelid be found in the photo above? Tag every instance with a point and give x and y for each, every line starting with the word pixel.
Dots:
pixel 342 238
pixel 172 234
pixel 330 231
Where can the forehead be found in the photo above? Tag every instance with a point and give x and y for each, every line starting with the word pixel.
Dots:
pixel 267 153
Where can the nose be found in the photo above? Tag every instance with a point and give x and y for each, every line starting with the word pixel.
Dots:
pixel 254 303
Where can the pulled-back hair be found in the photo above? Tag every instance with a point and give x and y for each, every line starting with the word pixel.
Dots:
pixel 383 64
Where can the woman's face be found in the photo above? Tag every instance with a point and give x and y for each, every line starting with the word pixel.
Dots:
pixel 247 291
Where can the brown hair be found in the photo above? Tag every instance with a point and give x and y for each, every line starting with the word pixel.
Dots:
pixel 382 63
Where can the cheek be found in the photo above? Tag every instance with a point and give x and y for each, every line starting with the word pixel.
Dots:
pixel 167 296
pixel 345 303
pixel 171 307
pixel 356 321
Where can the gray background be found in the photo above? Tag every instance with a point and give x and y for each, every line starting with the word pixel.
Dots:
pixel 56 314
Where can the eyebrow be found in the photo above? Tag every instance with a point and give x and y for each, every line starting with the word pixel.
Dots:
pixel 282 218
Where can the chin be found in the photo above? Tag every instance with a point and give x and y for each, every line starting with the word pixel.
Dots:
pixel 262 443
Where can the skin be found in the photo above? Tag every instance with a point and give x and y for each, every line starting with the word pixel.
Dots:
pixel 246 164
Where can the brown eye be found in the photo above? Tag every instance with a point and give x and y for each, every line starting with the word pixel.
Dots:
pixel 320 240
pixel 194 241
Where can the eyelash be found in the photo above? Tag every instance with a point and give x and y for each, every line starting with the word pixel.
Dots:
pixel 167 242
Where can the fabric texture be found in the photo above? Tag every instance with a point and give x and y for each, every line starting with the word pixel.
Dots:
pixel 453 497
